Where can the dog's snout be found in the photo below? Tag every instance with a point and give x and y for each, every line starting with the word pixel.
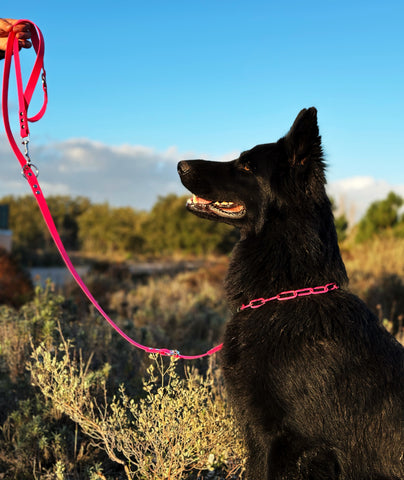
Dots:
pixel 183 167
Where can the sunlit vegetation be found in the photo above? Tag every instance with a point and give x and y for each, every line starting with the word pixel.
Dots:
pixel 121 232
pixel 78 402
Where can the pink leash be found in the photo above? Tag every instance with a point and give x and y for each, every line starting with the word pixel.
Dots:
pixel 30 172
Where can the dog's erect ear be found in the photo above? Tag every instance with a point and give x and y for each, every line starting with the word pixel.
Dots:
pixel 303 140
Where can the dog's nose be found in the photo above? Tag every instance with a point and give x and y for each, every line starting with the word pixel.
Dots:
pixel 183 167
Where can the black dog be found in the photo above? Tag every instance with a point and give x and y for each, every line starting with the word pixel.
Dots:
pixel 317 383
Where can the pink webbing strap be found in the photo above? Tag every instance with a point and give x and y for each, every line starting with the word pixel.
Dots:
pixel 30 172
pixel 24 96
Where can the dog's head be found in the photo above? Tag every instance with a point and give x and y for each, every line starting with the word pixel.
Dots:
pixel 268 180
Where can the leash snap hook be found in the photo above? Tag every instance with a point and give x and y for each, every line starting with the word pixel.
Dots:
pixel 43 79
pixel 29 165
pixel 25 142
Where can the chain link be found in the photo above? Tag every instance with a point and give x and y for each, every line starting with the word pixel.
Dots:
pixel 290 294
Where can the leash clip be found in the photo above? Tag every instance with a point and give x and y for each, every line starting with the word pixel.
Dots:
pixel 43 79
pixel 25 142
pixel 29 165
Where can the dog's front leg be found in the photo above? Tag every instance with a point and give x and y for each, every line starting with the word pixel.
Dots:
pixel 257 455
pixel 291 459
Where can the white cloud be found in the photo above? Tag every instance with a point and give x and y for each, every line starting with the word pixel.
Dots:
pixel 120 175
pixel 136 175
pixel 354 195
pixel 50 188
pixel 355 183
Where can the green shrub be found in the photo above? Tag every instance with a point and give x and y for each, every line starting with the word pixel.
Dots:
pixel 178 426
pixel 35 442
pixel 72 428
pixel 380 216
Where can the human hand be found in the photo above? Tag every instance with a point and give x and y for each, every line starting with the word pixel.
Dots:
pixel 22 30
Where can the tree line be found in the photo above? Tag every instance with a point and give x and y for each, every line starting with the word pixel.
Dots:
pixel 101 229
pixel 166 229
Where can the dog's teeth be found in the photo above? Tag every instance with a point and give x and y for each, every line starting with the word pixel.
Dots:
pixel 223 204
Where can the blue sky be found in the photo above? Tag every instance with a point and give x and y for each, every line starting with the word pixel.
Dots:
pixel 157 81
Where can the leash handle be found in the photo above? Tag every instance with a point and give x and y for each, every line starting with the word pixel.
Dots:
pixel 30 172
pixel 24 96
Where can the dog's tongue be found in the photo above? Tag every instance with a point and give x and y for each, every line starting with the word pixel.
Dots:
pixel 235 209
pixel 196 199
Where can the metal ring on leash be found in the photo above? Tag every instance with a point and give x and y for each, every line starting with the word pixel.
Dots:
pixel 29 166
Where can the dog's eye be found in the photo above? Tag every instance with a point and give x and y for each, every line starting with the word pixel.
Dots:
pixel 246 167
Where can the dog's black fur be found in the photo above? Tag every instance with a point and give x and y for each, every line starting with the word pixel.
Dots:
pixel 316 382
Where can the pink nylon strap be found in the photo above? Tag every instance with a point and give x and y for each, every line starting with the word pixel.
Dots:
pixel 25 96
pixel 30 172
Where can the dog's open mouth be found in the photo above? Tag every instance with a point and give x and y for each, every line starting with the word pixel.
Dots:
pixel 220 208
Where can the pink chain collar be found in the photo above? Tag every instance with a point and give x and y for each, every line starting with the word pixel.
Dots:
pixel 288 295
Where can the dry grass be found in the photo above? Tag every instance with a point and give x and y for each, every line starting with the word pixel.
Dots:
pixel 189 413
pixel 178 426
pixel 368 261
